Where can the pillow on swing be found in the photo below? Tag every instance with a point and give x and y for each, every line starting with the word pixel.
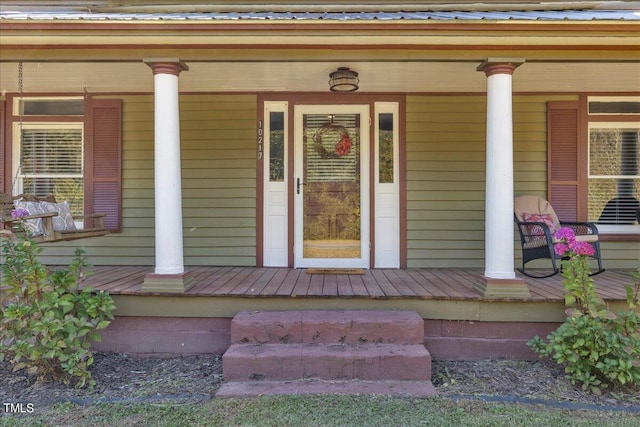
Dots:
pixel 33 227
pixel 63 221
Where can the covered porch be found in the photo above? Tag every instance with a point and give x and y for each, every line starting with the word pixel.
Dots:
pixel 190 183
pixel 192 178
pixel 376 284
pixel 461 322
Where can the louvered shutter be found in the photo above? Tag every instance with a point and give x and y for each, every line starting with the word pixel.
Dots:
pixel 3 148
pixel 563 157
pixel 103 161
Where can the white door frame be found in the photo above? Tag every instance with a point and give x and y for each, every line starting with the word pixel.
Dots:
pixel 387 194
pixel 365 206
pixel 275 195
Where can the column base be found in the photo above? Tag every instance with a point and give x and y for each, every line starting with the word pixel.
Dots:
pixel 502 288
pixel 167 283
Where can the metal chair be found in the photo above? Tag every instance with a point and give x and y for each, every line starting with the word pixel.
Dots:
pixel 537 222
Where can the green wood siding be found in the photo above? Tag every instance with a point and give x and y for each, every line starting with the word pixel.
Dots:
pixel 219 179
pixel 445 142
pixel 218 185
pixel 446 176
pixel 445 181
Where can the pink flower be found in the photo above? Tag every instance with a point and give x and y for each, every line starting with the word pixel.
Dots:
pixel 566 234
pixel 582 248
pixel 567 237
pixel 19 213
pixel 561 248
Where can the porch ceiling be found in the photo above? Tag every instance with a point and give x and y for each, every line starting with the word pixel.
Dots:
pixel 405 51
pixel 403 76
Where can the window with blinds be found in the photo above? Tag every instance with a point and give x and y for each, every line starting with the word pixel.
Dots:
pixel 614 173
pixel 50 162
pixel 324 161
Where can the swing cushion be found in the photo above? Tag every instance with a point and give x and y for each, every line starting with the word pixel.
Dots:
pixel 32 226
pixel 61 222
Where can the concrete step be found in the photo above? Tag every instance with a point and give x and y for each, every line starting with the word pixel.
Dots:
pixel 328 326
pixel 247 362
pixel 414 389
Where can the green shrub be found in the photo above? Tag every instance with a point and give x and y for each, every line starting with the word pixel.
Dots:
pixel 597 347
pixel 48 322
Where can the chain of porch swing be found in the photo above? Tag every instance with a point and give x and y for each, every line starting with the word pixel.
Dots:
pixel 21 127
pixel 20 122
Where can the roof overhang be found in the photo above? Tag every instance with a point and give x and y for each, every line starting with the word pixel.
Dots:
pixel 401 51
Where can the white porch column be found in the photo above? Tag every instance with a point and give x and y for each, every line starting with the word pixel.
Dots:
pixel 169 269
pixel 499 272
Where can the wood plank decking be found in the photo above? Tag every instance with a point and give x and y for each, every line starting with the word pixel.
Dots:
pixel 425 284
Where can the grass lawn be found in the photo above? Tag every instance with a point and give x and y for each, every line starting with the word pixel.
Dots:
pixel 325 411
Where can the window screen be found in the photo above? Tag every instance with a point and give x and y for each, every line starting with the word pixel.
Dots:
pixel 51 162
pixel 614 175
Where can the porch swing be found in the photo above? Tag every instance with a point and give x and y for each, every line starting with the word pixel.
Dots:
pixel 48 221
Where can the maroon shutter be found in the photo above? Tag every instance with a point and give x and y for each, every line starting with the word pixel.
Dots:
pixel 103 161
pixel 3 148
pixel 562 151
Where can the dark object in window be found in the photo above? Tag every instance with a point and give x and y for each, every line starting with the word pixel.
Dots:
pixel 614 107
pixel 620 211
pixel 52 107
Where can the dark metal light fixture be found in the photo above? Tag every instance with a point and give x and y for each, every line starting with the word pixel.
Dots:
pixel 343 80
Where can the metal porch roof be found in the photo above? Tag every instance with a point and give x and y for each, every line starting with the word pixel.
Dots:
pixel 525 15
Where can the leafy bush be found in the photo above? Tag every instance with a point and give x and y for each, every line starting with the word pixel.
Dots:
pixel 48 321
pixel 597 347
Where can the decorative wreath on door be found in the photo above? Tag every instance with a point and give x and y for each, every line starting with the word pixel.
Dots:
pixel 332 132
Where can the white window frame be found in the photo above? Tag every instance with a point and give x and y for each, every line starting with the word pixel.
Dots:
pixel 611 99
pixel 17 101
pixel 19 176
pixel 610 228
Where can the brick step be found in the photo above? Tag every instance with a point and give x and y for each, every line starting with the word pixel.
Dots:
pixel 246 362
pixel 327 326
pixel 316 386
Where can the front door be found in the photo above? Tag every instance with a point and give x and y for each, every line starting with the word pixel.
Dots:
pixel 331 186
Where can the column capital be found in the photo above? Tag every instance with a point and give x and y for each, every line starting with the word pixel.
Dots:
pixel 166 65
pixel 492 66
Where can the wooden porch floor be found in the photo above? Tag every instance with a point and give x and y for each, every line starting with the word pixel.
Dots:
pixel 424 284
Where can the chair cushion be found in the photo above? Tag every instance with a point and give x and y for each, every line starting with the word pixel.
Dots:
pixel 590 238
pixel 534 205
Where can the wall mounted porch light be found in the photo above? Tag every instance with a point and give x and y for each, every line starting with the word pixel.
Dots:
pixel 343 80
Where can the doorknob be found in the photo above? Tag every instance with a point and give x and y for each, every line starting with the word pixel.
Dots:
pixel 298 184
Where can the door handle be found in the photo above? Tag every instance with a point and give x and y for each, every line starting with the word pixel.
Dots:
pixel 298 184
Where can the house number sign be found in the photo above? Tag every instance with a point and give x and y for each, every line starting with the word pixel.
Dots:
pixel 260 139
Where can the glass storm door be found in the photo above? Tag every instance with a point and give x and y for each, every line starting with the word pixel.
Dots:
pixel 331 186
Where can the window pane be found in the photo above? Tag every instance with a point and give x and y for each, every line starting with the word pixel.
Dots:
pixel 276 146
pixel 332 147
pixel 70 190
pixel 51 163
pixel 53 107
pixel 614 175
pixel 385 148
pixel 613 107
pixel 51 151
